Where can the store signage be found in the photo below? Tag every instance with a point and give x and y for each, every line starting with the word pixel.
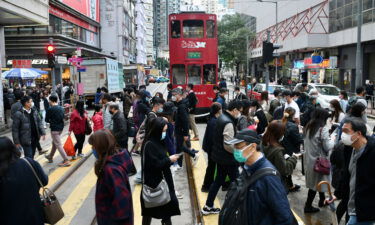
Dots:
pixel 81 69
pixel 193 44
pixel 299 64
pixel 89 8
pixel 307 63
pixel 333 62
pixel 194 55
pixel 62 60
pixel 21 63
pixel 33 61
pixel 316 59
pixel 192 8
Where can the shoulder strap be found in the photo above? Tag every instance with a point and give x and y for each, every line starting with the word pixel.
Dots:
pixel 34 172
pixel 259 174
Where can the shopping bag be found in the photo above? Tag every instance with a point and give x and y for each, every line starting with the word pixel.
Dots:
pixel 69 147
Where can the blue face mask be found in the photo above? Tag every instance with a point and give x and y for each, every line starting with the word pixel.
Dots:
pixel 147 99
pixel 238 156
pixel 160 110
pixel 163 135
pixel 95 153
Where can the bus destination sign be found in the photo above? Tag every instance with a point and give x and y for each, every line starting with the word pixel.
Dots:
pixel 194 55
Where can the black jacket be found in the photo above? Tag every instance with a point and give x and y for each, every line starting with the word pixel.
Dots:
pixel 19 194
pixel 365 183
pixel 209 138
pixel 263 122
pixel 55 117
pixel 193 101
pixel 120 129
pixel 292 138
pixel 219 154
pixel 279 112
pixel 21 128
pixel 241 96
pixel 182 118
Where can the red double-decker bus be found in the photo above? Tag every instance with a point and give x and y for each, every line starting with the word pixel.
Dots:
pixel 193 55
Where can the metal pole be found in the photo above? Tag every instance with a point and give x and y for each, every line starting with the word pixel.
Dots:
pixel 53 80
pixel 358 64
pixel 276 37
pixel 267 66
pixel 247 58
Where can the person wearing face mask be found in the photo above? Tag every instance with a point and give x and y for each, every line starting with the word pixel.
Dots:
pixel 275 152
pixel 276 102
pixel 358 179
pixel 266 199
pixel 193 101
pixel 27 127
pixel 259 116
pixel 221 98
pixel 222 153
pixel 289 102
pixel 119 126
pixel 156 167
pixel 239 95
pixel 244 121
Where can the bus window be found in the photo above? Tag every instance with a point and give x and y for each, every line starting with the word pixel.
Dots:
pixel 178 73
pixel 209 71
pixel 176 29
pixel 193 28
pixel 210 30
pixel 194 74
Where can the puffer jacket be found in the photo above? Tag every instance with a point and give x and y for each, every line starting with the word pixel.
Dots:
pixel 21 128
pixel 97 120
pixel 77 123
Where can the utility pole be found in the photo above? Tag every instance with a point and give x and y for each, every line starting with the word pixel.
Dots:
pixel 276 37
pixel 358 64
pixel 247 57
pixel 267 65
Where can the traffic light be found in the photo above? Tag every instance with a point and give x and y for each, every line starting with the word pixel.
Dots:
pixel 268 53
pixel 51 55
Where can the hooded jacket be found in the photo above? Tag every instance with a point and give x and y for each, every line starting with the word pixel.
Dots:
pixel 21 128
pixel 113 198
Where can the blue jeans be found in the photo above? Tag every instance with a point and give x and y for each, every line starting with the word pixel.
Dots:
pixel 353 221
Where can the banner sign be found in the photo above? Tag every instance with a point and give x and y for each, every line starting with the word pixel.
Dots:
pixel 112 76
pixel 89 8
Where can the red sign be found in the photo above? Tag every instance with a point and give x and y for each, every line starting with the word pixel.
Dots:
pixel 89 8
pixel 21 63
pixel 193 44
pixel 69 17
pixel 80 88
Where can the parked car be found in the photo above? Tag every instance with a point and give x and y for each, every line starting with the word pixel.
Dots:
pixel 151 79
pixel 326 92
pixel 259 88
pixel 161 79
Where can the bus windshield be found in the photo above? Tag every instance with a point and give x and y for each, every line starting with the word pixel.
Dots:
pixel 193 28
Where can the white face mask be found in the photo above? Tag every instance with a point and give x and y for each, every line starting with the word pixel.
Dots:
pixel 346 139
pixel 174 98
pixel 32 104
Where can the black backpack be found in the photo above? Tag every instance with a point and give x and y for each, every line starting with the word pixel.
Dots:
pixel 234 210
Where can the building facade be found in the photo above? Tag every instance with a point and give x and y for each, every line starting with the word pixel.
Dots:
pixel 141 35
pixel 323 27
pixel 148 4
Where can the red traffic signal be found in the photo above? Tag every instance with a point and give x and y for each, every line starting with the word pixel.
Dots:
pixel 50 48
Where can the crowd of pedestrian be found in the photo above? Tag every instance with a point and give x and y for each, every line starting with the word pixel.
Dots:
pixel 252 146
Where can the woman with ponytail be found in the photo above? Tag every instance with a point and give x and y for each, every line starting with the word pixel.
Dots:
pixel 113 198
pixel 292 141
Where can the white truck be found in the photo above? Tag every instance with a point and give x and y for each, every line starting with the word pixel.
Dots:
pixel 101 72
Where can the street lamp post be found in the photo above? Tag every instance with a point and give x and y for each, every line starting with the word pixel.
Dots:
pixel 358 64
pixel 276 36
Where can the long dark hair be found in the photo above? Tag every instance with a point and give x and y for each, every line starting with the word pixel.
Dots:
pixel 289 114
pixel 105 145
pixel 274 132
pixel 319 119
pixel 156 128
pixel 8 154
pixel 80 107
pixel 337 108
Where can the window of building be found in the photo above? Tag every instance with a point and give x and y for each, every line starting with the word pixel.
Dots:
pixel 175 29
pixel 209 71
pixel 25 30
pixel 194 74
pixel 210 30
pixel 10 30
pixel 348 10
pixel 348 22
pixel 367 16
pixel 178 73
pixel 332 4
pixel 40 30
pixel 367 4
pixel 193 28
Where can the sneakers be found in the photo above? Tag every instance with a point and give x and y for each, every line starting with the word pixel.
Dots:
pixel 179 195
pixel 210 210
pixel 195 151
pixel 205 189
pixel 80 155
pixel 310 209
pixel 41 152
pixel 136 153
pixel 65 163
pixel 195 139
pixel 295 188
pixel 74 157
pixel 49 158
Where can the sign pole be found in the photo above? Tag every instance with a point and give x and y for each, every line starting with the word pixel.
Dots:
pixel 267 66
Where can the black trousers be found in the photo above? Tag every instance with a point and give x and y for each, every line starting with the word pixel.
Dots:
pixel 80 140
pixel 146 220
pixel 183 146
pixel 210 173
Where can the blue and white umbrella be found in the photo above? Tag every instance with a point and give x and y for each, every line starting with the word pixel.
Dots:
pixel 23 73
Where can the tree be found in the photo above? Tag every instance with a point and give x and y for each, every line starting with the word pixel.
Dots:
pixel 232 33
pixel 162 64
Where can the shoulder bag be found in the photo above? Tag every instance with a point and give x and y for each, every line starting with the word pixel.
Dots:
pixel 154 197
pixel 51 206
pixel 322 165
pixel 88 129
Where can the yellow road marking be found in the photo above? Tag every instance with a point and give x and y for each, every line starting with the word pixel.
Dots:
pixel 137 204
pixel 77 197
pixel 59 171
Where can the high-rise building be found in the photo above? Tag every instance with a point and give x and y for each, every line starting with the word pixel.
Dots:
pixel 210 6
pixel 162 9
pixel 140 21
pixel 148 4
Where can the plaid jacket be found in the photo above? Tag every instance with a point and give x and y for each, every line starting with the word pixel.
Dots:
pixel 113 199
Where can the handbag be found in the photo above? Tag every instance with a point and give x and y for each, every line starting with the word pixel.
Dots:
pixel 51 206
pixel 88 129
pixel 154 197
pixel 69 147
pixel 322 165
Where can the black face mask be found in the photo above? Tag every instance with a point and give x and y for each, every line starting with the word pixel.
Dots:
pixel 111 112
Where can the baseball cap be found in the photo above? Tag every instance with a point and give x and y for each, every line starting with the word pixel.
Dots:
pixel 177 91
pixel 246 135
